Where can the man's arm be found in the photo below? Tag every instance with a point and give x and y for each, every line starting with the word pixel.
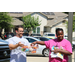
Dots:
pixel 11 46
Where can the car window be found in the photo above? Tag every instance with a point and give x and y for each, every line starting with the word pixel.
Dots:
pixel 44 39
pixel 65 36
pixel 37 38
pixel 34 34
pixel 51 34
pixel 38 35
pixel 31 40
pixel 10 34
pixel 45 34
pixel 25 34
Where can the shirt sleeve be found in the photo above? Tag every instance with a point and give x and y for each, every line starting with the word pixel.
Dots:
pixel 10 41
pixel 69 47
pixel 47 43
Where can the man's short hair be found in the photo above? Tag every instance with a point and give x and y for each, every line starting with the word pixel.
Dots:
pixel 16 28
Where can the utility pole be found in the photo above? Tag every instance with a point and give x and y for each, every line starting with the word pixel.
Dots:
pixel 70 27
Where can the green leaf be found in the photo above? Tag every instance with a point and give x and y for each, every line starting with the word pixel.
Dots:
pixel 30 22
pixel 5 20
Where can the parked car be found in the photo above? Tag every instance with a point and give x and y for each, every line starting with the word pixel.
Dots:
pixel 35 35
pixel 8 35
pixel 49 35
pixel 42 38
pixel 42 48
pixel 25 34
pixel 4 51
pixel 65 37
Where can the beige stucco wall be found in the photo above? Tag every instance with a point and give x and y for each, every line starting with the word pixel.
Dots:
pixel 43 20
pixel 60 25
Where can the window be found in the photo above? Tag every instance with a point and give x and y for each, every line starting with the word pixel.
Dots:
pixel 38 29
pixel 51 34
pixel 30 40
pixel 45 34
pixel 34 30
pixel 44 39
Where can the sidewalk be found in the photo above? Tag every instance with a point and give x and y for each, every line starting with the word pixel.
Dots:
pixel 37 59
pixel 42 59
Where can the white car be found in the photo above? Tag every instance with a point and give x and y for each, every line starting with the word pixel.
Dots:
pixel 49 35
pixel 42 50
pixel 65 37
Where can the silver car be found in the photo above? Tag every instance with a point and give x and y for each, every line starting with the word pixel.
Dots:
pixel 4 51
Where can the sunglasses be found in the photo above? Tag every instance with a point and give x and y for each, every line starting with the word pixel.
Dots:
pixel 20 31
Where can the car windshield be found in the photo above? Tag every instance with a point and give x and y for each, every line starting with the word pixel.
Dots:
pixel 35 35
pixel 10 34
pixel 51 34
pixel 32 39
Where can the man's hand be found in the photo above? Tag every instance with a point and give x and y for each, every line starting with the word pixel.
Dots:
pixel 20 44
pixel 11 46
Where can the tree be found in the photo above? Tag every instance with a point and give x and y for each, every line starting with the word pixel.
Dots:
pixel 73 23
pixel 5 21
pixel 66 12
pixel 30 23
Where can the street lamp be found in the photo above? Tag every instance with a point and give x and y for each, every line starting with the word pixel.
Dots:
pixel 70 26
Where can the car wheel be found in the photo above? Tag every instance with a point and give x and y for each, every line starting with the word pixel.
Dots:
pixel 46 52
